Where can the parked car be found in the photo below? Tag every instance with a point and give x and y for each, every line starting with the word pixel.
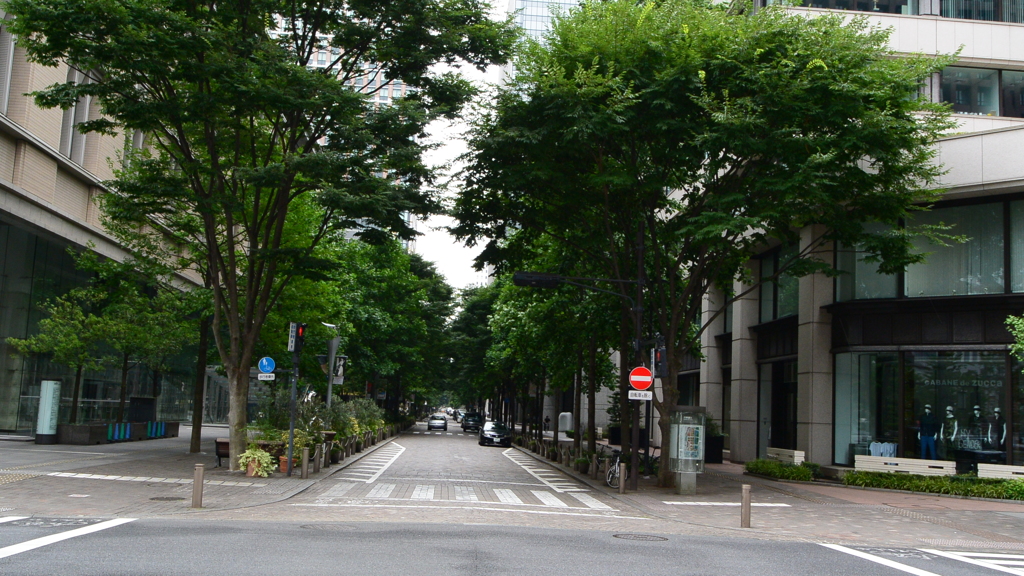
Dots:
pixel 472 421
pixel 437 422
pixel 495 433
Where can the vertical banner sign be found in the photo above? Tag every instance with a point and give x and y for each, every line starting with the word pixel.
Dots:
pixel 293 328
pixel 49 409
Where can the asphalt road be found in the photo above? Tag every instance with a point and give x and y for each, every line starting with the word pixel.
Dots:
pixel 155 546
pixel 438 502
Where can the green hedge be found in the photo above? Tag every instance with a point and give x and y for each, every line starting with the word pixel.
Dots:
pixel 781 470
pixel 956 485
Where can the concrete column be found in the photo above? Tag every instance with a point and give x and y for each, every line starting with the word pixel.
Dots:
pixel 743 427
pixel 711 367
pixel 814 358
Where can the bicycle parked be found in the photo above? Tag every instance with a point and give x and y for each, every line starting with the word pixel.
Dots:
pixel 612 477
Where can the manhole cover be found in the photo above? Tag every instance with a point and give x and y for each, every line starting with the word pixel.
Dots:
pixel 167 498
pixel 330 527
pixel 644 537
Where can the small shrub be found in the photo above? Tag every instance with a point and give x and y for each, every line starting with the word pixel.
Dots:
pixel 781 470
pixel 262 463
pixel 962 485
pixel 814 468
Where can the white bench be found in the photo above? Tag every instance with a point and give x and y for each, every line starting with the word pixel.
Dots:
pixel 1000 471
pixel 787 456
pixel 904 465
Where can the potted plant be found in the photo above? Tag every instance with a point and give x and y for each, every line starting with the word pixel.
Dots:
pixel 714 443
pixel 257 462
pixel 582 464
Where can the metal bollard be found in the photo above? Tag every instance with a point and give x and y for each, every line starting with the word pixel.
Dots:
pixel 305 463
pixel 327 454
pixel 316 458
pixel 745 507
pixel 197 486
pixel 622 477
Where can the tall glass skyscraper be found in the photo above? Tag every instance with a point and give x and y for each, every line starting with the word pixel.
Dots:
pixel 535 15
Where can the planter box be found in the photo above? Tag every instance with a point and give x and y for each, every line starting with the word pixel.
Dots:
pixel 82 434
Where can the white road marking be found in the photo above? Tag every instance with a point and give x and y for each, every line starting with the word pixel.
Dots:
pixel 149 479
pixel 762 504
pixel 11 518
pixel 879 560
pixel 507 496
pixel 423 492
pixel 54 538
pixel 998 562
pixel 466 494
pixel 381 491
pixel 582 511
pixel 549 499
pixel 591 502
pixel 558 484
pixel 338 490
pixel 382 459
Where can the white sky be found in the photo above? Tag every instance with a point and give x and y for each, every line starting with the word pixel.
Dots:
pixel 453 260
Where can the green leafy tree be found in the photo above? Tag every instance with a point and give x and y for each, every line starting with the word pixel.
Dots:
pixel 72 334
pixel 679 138
pixel 241 125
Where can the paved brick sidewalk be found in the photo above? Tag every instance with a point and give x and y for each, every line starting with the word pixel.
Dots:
pixel 829 512
pixel 149 478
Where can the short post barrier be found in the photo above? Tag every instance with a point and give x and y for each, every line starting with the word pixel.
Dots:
pixel 316 458
pixel 197 486
pixel 327 454
pixel 745 507
pixel 622 477
pixel 305 463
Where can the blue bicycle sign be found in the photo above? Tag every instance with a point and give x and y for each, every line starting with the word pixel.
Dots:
pixel 266 364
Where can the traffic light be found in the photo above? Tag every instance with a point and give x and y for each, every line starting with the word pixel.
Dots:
pixel 300 337
pixel 537 280
pixel 660 362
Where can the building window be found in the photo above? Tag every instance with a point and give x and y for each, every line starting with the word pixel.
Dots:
pixel 72 142
pixel 779 297
pixel 1012 91
pixel 861 280
pixel 972 267
pixel 957 398
pixel 993 10
pixel 867 416
pixel 1017 245
pixel 971 90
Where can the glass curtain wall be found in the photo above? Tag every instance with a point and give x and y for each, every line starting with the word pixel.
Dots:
pixel 867 418
pixel 861 280
pixel 994 10
pixel 779 298
pixel 971 267
pixel 1016 242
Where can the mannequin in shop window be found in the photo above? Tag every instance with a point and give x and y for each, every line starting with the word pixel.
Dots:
pixel 997 430
pixel 927 430
pixel 977 430
pixel 947 433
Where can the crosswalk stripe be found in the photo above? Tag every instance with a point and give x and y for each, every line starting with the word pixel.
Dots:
pixel 54 538
pixel 991 565
pixel 879 560
pixel 591 502
pixel 423 492
pixel 466 494
pixel 11 518
pixel 549 499
pixel 381 491
pixel 507 496
pixel 338 490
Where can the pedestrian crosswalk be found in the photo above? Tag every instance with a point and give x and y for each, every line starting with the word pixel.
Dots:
pixel 1006 563
pixel 551 478
pixel 13 549
pixel 342 492
pixel 369 468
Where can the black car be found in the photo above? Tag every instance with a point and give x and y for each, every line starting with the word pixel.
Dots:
pixel 472 421
pixel 495 433
pixel 438 421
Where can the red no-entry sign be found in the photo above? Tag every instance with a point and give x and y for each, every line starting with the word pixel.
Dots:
pixel 640 378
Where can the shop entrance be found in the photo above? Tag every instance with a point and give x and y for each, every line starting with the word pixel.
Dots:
pixel 777 407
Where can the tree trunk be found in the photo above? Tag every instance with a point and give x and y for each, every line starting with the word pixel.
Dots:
pixel 124 387
pixel 577 436
pixel 592 399
pixel 556 401
pixel 669 398
pixel 625 410
pixel 74 394
pixel 199 394
pixel 238 403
